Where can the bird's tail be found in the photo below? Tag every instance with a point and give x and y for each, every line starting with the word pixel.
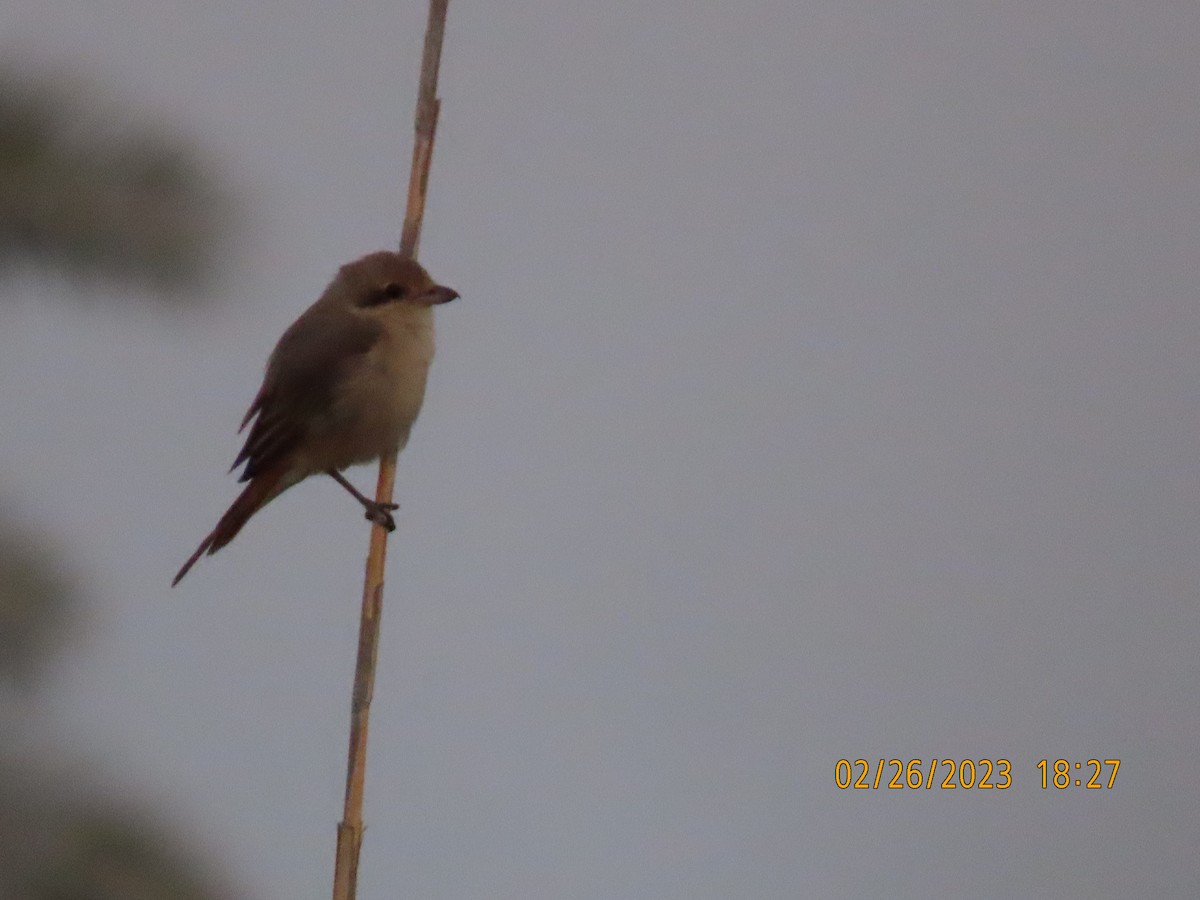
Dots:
pixel 258 493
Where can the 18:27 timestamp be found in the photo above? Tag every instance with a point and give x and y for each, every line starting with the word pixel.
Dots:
pixel 1060 773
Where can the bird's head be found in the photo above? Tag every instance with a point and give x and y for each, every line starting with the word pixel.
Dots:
pixel 385 278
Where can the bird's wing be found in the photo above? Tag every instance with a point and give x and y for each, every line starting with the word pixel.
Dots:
pixel 302 375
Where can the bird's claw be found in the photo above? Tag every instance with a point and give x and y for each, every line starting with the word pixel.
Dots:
pixel 381 515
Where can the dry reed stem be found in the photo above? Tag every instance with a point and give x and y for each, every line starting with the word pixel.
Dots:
pixel 350 829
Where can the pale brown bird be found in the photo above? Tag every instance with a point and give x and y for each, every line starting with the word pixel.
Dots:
pixel 343 386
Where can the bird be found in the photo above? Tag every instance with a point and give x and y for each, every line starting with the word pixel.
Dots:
pixel 343 386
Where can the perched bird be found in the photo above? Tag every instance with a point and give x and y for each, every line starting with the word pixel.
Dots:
pixel 343 386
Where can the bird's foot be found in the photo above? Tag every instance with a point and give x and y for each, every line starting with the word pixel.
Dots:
pixel 381 514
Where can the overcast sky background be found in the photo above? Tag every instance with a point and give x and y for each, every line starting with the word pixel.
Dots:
pixel 824 386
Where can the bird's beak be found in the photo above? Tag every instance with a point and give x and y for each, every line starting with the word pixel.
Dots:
pixel 439 294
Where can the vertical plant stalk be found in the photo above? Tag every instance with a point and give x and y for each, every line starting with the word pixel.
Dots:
pixel 350 829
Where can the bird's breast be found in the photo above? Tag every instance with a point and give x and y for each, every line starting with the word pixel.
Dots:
pixel 381 396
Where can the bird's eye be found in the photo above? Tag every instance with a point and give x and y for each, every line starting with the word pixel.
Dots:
pixel 393 290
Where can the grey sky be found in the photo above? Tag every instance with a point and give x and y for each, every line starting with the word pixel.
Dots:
pixel 824 385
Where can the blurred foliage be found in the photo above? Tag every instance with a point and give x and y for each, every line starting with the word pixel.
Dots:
pixel 35 599
pixel 110 859
pixel 85 195
pixel 86 191
pixel 75 848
